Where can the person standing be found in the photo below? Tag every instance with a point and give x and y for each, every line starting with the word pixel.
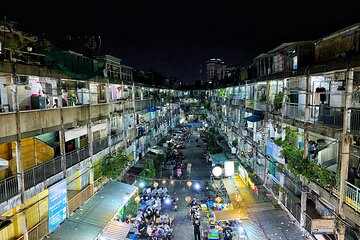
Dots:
pixel 196 225
pixel 188 168
pixel 227 231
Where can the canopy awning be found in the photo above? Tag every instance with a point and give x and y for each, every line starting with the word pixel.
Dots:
pixel 254 118
pixel 95 214
pixel 115 230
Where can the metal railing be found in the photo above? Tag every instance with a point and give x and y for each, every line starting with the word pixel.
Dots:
pixel 324 115
pixel 352 196
pixel 293 207
pixel 100 145
pixel 355 120
pixel 260 106
pixel 41 172
pixel 295 111
pixel 72 158
pixel 84 153
pixel 328 116
pixel 117 138
pixel 8 188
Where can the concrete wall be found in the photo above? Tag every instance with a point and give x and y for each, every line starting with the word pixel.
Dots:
pixel 72 115
pixel 8 125
pixel 99 111
pixel 39 120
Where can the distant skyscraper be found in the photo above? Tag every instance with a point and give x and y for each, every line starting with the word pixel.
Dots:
pixel 215 69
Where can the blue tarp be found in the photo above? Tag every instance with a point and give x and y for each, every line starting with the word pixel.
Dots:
pixel 153 109
pixel 194 124
pixel 254 118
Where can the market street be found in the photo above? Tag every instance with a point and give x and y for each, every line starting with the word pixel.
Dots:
pixel 265 218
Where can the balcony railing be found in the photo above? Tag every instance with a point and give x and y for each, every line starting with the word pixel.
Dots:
pixel 352 196
pixel 324 115
pixel 41 172
pixel 355 120
pixel 100 145
pixel 77 156
pixel 329 116
pixel 8 188
pixel 117 138
pixel 260 106
pixel 295 111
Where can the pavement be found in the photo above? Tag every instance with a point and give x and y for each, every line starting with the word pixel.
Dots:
pixel 265 219
pixel 200 173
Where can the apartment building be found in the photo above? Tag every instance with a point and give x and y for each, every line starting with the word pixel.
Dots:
pixel 303 94
pixel 62 114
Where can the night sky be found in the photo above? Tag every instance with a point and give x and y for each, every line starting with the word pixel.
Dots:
pixel 176 37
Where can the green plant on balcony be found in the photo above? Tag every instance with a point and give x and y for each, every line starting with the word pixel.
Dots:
pixel 250 103
pixel 203 116
pixel 207 106
pixel 114 166
pixel 262 99
pixel 155 94
pixel 299 165
pixel 278 101
pixel 222 92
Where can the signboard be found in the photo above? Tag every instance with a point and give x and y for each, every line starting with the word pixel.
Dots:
pixel 243 173
pixel 322 226
pixel 229 168
pixel 57 204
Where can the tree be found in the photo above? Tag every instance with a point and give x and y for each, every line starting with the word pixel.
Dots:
pixel 114 166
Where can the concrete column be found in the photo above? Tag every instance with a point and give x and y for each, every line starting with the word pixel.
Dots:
pixel 345 147
pixel 266 138
pixel 18 158
pixel 109 115
pixel 305 155
pixel 62 134
pixel 123 114
pixel 283 110
pixel 340 231
pixel 62 128
pixel 90 143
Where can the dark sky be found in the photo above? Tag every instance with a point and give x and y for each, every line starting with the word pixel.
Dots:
pixel 176 37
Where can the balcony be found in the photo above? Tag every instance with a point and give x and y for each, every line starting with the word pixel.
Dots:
pixel 100 145
pixel 260 106
pixel 99 111
pixel 249 103
pixel 295 111
pixel 77 156
pixel 355 120
pixel 352 196
pixel 327 116
pixel 116 138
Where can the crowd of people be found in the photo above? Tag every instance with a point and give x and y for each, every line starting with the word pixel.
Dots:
pixel 151 221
